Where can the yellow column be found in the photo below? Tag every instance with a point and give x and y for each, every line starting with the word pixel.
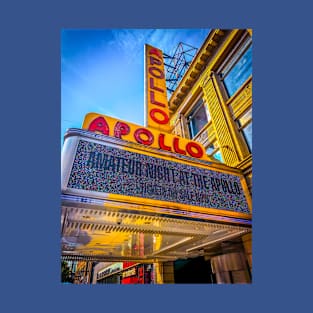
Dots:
pixel 158 271
pixel 164 272
pixel 226 133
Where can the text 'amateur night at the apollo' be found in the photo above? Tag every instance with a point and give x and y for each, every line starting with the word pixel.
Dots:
pixel 118 164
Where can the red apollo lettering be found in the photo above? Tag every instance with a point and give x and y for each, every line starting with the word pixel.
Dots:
pixel 121 129
pixel 144 136
pixel 162 144
pixel 176 146
pixel 142 131
pixel 155 52
pixel 153 101
pixel 153 115
pixel 191 146
pixel 99 124
pixel 156 72
pixel 152 86
pixel 154 60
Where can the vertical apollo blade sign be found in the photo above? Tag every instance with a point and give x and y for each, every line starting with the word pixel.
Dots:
pixel 156 104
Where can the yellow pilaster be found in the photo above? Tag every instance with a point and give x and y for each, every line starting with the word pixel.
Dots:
pixel 158 269
pixel 224 127
pixel 164 272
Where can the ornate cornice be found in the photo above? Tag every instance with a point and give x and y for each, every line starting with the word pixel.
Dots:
pixel 197 67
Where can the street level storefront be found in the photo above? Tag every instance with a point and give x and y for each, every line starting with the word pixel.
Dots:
pixel 173 198
pixel 123 273
pixel 109 274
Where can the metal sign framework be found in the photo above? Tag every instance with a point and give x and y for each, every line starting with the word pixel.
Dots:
pixel 177 65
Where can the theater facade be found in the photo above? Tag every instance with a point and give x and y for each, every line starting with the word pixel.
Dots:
pixel 170 201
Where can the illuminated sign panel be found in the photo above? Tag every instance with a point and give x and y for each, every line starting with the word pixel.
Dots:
pixel 156 104
pixel 110 270
pixel 146 136
pixel 130 272
pixel 101 168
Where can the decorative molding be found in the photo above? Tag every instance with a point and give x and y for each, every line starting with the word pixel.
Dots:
pixel 219 122
pixel 244 96
pixel 197 66
pixel 202 137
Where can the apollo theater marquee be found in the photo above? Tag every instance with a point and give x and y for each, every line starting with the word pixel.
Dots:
pixel 141 193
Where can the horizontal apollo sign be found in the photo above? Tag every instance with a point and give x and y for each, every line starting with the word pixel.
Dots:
pixel 146 136
pixel 109 171
pixel 156 104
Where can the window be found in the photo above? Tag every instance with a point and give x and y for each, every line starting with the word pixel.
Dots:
pixel 214 151
pixel 198 118
pixel 218 156
pixel 245 127
pixel 238 69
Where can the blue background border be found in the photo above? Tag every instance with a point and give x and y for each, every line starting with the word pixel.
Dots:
pixel 30 155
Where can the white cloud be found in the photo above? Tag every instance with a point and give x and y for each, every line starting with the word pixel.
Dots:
pixel 131 41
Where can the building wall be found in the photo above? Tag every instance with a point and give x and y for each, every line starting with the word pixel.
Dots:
pixel 164 272
pixel 224 110
pixel 230 268
pixel 222 131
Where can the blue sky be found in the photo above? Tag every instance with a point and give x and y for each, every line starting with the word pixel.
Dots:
pixel 102 71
